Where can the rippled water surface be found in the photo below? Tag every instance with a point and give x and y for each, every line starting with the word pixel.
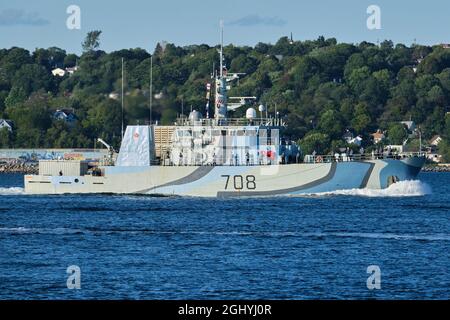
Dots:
pixel 314 246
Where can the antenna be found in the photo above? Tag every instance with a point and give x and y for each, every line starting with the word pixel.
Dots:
pixel 182 106
pixel 122 98
pixel 221 48
pixel 151 88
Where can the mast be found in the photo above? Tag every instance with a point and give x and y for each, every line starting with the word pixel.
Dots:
pixel 122 99
pixel 208 98
pixel 220 111
pixel 221 49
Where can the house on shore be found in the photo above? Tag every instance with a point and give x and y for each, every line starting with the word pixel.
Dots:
pixel 348 136
pixel 435 140
pixel 72 70
pixel 378 136
pixel 66 115
pixel 6 124
pixel 410 125
pixel 58 72
pixel 357 141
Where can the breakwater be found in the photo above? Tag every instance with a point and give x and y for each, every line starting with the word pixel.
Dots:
pixel 17 166
pixel 26 161
pixel 436 168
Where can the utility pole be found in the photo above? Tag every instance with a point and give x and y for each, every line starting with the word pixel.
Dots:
pixel 182 106
pixel 151 88
pixel 420 142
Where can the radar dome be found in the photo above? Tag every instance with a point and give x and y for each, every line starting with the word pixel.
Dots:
pixel 251 113
pixel 195 115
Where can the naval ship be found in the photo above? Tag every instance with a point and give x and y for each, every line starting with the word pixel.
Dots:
pixel 220 156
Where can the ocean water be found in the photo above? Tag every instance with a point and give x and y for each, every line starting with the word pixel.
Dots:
pixel 317 246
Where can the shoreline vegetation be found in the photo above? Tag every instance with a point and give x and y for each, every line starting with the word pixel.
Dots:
pixel 332 95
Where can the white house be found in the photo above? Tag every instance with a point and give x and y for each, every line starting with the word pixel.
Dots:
pixel 158 96
pixel 58 72
pixel 279 57
pixel 71 71
pixel 410 125
pixel 114 96
pixel 435 140
pixel 394 148
pixel 65 115
pixel 6 124
pixel 348 136
pixel 356 141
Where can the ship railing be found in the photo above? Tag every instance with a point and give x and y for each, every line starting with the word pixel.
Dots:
pixel 269 122
pixel 264 161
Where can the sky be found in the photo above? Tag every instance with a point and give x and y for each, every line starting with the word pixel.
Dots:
pixel 144 23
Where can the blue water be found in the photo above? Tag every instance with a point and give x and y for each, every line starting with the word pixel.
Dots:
pixel 318 246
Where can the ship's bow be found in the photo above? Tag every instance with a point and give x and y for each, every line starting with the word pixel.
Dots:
pixel 400 170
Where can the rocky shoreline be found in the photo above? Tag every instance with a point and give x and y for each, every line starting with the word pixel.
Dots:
pixel 16 166
pixel 436 168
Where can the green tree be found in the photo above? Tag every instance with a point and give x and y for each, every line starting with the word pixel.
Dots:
pixel 446 132
pixel 444 145
pixel 397 133
pixel 59 136
pixel 244 63
pixel 330 123
pixel 362 120
pixel 168 116
pixel 436 95
pixel 103 120
pixel 357 79
pixel 31 120
pixel 16 95
pixel 5 138
pixel 318 142
pixel 444 150
pixel 70 60
pixel 92 41
pixel 32 78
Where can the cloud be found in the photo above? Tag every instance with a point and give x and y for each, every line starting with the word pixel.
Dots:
pixel 15 17
pixel 256 20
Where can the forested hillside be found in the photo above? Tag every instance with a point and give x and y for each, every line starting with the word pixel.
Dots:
pixel 322 87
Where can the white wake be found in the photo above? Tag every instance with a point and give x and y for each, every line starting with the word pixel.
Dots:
pixel 411 188
pixel 11 191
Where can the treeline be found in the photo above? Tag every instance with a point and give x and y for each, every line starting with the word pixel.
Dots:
pixel 321 87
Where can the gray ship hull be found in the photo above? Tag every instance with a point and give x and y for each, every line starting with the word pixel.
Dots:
pixel 232 181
